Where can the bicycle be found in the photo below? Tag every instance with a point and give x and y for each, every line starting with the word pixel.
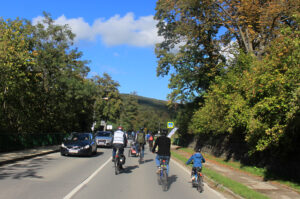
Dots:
pixel 198 179
pixel 119 161
pixel 140 148
pixel 162 176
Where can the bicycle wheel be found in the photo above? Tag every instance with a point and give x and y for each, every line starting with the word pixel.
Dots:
pixel 159 178
pixel 165 180
pixel 140 159
pixel 200 183
pixel 140 152
pixel 117 166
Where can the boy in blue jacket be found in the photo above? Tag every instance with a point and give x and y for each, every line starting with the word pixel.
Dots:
pixel 198 159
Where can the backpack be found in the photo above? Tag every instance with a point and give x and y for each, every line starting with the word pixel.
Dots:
pixel 151 138
pixel 140 138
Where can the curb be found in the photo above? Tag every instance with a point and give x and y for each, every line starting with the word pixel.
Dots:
pixel 28 157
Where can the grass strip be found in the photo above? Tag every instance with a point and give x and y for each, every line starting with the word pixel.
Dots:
pixel 236 187
pixel 234 164
pixel 250 169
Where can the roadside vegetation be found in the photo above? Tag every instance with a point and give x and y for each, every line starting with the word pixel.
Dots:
pixel 234 186
pixel 235 77
pixel 261 172
pixel 45 93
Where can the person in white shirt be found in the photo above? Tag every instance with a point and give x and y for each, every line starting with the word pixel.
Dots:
pixel 119 141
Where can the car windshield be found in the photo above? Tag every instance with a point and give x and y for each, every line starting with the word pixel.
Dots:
pixel 104 134
pixel 80 137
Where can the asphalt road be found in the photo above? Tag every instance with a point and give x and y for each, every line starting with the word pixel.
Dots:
pixel 53 176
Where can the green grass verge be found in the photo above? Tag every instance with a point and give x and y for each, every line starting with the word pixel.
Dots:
pixel 250 169
pixel 236 187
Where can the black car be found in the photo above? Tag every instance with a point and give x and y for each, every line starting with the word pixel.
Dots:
pixel 79 144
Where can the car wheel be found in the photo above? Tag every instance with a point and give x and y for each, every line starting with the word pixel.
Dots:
pixel 91 153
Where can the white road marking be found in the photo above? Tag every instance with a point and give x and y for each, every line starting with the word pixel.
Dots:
pixel 76 189
pixel 189 172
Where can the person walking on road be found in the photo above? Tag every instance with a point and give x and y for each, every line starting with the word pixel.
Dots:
pixel 164 146
pixel 119 141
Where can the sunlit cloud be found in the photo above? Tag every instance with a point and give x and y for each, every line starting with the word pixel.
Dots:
pixel 117 30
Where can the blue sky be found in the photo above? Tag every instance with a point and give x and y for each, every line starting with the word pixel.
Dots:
pixel 118 37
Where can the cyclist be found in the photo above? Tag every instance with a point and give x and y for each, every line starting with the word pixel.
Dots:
pixel 164 145
pixel 197 159
pixel 119 141
pixel 140 141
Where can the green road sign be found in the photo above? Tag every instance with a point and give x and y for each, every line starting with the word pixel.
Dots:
pixel 170 125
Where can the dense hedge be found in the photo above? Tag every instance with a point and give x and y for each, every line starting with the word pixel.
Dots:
pixel 11 141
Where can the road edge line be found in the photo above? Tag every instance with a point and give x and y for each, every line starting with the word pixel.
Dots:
pixel 86 181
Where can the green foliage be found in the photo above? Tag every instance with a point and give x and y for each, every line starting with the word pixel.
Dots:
pixel 138 112
pixel 129 112
pixel 189 28
pixel 43 84
pixel 257 98
pixel 198 35
pixel 108 101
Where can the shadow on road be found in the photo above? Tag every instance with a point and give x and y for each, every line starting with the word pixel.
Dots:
pixel 128 169
pixel 149 160
pixel 28 169
pixel 97 154
pixel 171 180
pixel 85 156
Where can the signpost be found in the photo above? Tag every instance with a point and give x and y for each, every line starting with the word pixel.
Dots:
pixel 109 127
pixel 170 125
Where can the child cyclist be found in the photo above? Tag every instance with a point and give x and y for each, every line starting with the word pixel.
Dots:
pixel 198 159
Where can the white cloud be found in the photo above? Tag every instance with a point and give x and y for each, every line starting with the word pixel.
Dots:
pixel 230 50
pixel 117 30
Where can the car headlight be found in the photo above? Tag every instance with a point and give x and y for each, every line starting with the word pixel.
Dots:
pixel 87 146
pixel 62 145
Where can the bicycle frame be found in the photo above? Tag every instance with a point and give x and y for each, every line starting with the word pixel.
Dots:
pixel 198 182
pixel 163 176
pixel 117 162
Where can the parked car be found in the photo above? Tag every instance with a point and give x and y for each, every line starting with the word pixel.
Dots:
pixel 104 138
pixel 79 144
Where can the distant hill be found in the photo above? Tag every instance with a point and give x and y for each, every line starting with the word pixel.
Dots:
pixel 151 102
pixel 152 113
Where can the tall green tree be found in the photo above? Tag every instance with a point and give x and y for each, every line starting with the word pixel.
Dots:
pixel 16 77
pixel 258 98
pixel 196 35
pixel 108 101
pixel 129 113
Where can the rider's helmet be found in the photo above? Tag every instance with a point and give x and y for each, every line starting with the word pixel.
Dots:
pixel 198 150
pixel 120 128
pixel 164 132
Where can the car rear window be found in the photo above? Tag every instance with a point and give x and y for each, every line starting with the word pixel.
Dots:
pixel 104 134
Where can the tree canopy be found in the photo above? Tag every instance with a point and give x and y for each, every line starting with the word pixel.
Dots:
pixel 197 34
